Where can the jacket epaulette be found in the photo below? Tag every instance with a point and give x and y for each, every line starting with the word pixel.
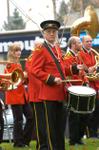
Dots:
pixel 38 47
pixel 68 54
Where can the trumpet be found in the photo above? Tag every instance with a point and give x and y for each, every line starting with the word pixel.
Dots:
pixel 97 60
pixel 93 77
pixel 11 80
pixel 4 62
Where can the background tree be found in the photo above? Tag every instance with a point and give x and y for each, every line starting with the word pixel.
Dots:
pixel 54 8
pixel 76 5
pixel 95 3
pixel 14 22
pixel 63 10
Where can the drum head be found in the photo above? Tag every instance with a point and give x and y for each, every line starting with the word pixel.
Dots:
pixel 81 90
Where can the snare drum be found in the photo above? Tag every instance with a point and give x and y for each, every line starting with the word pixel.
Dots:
pixel 81 99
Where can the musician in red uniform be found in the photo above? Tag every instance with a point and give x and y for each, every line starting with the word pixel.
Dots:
pixel 33 92
pixel 87 56
pixel 16 97
pixel 52 93
pixel 73 65
pixel 75 72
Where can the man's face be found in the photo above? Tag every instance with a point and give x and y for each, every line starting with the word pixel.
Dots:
pixel 50 35
pixel 78 44
pixel 87 42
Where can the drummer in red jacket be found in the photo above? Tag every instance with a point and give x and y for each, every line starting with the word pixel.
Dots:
pixel 52 93
pixel 16 97
pixel 76 76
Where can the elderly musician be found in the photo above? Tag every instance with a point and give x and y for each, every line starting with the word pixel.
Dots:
pixel 87 56
pixel 16 97
pixel 52 93
pixel 76 75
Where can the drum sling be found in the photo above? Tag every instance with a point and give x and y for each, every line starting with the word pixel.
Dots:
pixel 55 60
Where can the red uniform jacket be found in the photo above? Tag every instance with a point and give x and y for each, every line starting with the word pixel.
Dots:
pixel 89 60
pixel 33 84
pixel 69 60
pixel 44 68
pixel 16 96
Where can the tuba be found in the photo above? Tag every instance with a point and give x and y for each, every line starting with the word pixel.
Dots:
pixel 11 80
pixel 88 22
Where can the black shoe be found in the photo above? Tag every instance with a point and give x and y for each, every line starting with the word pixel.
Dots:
pixel 19 145
pixel 72 143
pixel 27 144
pixel 94 137
pixel 80 143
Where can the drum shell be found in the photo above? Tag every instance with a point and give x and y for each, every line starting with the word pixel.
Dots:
pixel 82 104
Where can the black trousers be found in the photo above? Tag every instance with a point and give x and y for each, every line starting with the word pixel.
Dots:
pixel 94 121
pixel 34 136
pixel 1 124
pixel 40 126
pixel 51 128
pixel 78 124
pixel 22 134
pixel 74 127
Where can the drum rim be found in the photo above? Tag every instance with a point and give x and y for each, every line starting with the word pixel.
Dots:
pixel 82 112
pixel 78 94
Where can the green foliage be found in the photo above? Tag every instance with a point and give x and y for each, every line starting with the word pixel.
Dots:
pixel 14 22
pixel 8 146
pixel 63 8
pixel 90 144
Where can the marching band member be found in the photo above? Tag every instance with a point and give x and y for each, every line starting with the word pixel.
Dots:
pixel 33 92
pixel 74 68
pixel 52 93
pixel 16 97
pixel 75 71
pixel 88 59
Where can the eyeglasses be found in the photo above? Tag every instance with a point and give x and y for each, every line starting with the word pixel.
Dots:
pixel 89 41
pixel 52 31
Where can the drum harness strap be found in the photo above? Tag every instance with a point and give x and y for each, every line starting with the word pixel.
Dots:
pixel 55 60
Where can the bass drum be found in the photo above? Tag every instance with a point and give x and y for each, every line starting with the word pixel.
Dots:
pixel 81 99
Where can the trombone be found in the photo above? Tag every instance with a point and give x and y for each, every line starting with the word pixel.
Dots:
pixel 12 80
pixel 4 62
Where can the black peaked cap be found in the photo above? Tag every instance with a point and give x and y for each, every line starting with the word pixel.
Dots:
pixel 50 24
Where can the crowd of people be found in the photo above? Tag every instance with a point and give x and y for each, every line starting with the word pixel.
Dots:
pixel 43 95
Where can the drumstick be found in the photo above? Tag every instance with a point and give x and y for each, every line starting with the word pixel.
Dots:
pixel 5 62
pixel 72 80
